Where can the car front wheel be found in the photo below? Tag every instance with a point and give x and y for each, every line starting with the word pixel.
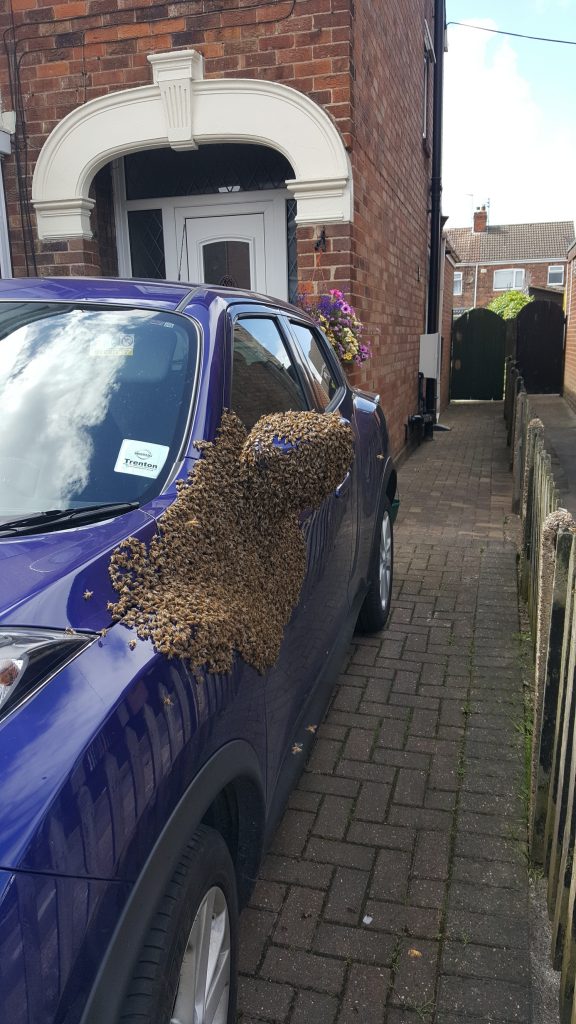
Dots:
pixel 376 607
pixel 186 973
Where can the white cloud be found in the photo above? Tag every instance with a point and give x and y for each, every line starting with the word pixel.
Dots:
pixel 499 143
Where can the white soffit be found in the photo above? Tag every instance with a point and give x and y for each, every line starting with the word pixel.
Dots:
pixel 183 110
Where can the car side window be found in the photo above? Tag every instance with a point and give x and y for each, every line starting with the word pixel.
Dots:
pixel 264 378
pixel 324 382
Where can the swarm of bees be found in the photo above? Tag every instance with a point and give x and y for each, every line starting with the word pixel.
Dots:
pixel 226 570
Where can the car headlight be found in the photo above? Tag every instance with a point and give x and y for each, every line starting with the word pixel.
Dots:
pixel 30 657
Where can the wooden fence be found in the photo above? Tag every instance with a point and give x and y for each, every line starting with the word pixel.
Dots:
pixel 548 581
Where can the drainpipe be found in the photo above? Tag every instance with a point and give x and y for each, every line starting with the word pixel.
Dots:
pixel 436 180
pixel 475 286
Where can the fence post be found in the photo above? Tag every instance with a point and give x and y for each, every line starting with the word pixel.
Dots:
pixel 518 452
pixel 557 542
pixel 534 434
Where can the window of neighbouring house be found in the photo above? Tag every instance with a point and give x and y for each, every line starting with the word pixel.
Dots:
pixel 457 289
pixel 506 280
pixel 556 275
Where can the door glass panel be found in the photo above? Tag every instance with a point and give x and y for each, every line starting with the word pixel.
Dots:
pixel 324 383
pixel 146 243
pixel 264 379
pixel 227 263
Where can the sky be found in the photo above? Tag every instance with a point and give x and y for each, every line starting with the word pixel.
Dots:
pixel 509 135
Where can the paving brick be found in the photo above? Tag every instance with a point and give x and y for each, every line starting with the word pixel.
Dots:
pixel 365 995
pixel 400 759
pixel 256 928
pixel 297 922
pixel 267 895
pixel 381 835
pixel 359 944
pixel 402 919
pixel 359 744
pixel 372 802
pixel 264 998
pixel 324 756
pixel 415 975
pixel 431 859
pixel 306 970
pixel 392 734
pixel 440 800
pixel 346 896
pixel 488 999
pixel 468 845
pixel 304 801
pixel 390 879
pixel 484 962
pixel 510 932
pixel 296 872
pixel 490 872
pixel 347 698
pixel 291 836
pixel 410 787
pixel 487 899
pixel 365 772
pixel 314 1008
pixel 427 893
pixel 332 820
pixel 421 818
pixel 348 855
pixel 312 782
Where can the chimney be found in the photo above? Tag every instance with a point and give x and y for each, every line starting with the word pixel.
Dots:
pixel 480 219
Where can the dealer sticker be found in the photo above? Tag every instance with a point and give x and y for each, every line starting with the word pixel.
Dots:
pixel 140 458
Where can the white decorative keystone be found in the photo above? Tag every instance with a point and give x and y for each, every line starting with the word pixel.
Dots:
pixel 173 74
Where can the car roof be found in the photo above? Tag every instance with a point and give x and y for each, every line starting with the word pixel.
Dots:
pixel 170 295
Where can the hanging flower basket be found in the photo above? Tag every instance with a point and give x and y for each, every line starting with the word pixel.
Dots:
pixel 337 319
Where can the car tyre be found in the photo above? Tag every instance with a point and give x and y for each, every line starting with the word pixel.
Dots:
pixel 188 962
pixel 376 607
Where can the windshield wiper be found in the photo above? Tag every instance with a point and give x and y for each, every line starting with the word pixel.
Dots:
pixel 57 516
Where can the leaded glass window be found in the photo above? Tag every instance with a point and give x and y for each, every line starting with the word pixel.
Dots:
pixel 218 168
pixel 146 243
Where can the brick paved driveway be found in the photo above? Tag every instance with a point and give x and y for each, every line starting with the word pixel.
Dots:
pixel 395 891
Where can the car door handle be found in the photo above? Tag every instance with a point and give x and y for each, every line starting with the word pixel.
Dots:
pixel 344 486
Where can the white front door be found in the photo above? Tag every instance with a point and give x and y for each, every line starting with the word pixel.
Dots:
pixel 228 250
pixel 233 240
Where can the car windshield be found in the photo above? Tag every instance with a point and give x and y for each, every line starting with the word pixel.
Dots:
pixel 95 403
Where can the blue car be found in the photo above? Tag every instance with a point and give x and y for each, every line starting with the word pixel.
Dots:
pixel 138 790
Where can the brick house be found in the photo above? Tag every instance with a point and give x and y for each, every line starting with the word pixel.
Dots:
pixel 284 145
pixel 494 258
pixel 570 349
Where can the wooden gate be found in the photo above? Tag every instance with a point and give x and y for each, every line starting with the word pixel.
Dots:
pixel 478 350
pixel 540 347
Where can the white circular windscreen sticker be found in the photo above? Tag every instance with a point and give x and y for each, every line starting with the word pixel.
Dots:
pixel 140 458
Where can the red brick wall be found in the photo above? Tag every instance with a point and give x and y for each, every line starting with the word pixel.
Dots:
pixel 362 60
pixel 570 364
pixel 446 329
pixel 72 52
pixel 536 275
pixel 391 183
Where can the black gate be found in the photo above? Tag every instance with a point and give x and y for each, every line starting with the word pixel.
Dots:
pixel 540 347
pixel 478 349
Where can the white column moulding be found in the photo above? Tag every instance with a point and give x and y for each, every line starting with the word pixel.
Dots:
pixel 183 110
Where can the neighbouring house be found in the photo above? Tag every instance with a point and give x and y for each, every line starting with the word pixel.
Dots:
pixel 285 145
pixel 450 263
pixel 570 349
pixel 495 258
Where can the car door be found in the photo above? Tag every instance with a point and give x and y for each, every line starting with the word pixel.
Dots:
pixel 269 375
